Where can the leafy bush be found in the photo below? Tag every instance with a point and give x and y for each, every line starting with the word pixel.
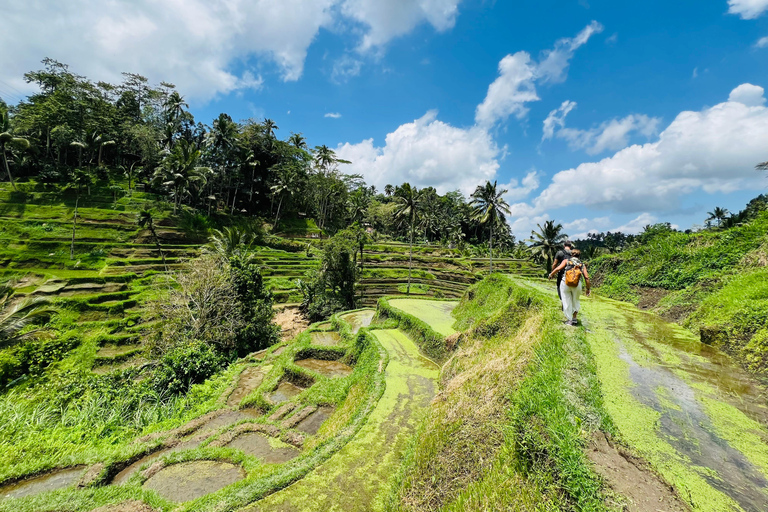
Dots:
pixel 187 365
pixel 257 330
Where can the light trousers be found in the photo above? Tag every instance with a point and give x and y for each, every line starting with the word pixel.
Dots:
pixel 570 297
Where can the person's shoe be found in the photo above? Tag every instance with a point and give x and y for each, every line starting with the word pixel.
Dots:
pixel 573 323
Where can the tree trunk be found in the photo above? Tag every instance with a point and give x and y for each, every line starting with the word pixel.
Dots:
pixel 8 169
pixel 74 227
pixel 490 253
pixel 277 217
pixel 234 199
pixel 159 247
pixel 410 259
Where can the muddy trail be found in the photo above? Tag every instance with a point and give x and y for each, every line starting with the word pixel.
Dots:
pixel 355 478
pixel 686 408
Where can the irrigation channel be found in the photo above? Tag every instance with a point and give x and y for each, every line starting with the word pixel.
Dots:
pixel 685 407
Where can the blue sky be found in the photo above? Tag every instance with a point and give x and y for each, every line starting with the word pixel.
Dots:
pixel 598 114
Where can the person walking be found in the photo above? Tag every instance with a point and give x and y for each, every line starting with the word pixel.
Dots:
pixel 574 271
pixel 561 256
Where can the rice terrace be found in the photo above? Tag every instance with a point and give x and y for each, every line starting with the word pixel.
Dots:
pixel 384 256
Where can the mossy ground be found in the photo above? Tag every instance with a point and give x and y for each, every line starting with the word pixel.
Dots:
pixel 672 402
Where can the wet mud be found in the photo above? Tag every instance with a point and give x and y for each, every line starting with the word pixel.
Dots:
pixel 312 423
pixel 249 379
pixel 269 450
pixel 43 483
pixel 331 369
pixel 325 338
pixel 284 392
pixel 359 319
pixel 191 480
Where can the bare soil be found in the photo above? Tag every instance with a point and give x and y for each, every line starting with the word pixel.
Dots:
pixel 650 297
pixel 127 506
pixel 291 321
pixel 626 475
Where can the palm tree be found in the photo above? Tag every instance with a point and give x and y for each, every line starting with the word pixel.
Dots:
pixel 285 185
pixel 298 140
pixel 591 252
pixel 489 206
pixel 719 215
pixel 389 189
pixel 408 199
pixel 269 128
pixel 6 138
pixel 180 172
pixel 146 219
pixel 79 179
pixel 229 242
pixel 358 205
pixel 547 241
pixel 16 315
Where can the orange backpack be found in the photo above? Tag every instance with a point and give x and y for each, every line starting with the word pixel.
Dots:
pixel 573 272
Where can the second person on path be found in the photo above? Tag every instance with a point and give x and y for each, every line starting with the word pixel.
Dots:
pixel 570 286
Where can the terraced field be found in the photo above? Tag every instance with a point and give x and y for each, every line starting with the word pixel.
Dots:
pixel 116 266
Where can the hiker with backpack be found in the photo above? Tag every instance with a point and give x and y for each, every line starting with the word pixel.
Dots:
pixel 570 286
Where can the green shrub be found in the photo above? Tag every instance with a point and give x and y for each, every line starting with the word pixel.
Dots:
pixel 184 366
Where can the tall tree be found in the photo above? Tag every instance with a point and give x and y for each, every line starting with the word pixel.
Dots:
pixel 180 171
pixel 719 215
pixel 489 208
pixel 547 241
pixel 408 202
pixel 7 138
pixel 146 220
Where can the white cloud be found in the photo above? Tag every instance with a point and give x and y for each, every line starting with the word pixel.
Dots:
pixel 714 150
pixel 762 42
pixel 388 20
pixel 585 224
pixel 333 115
pixel 517 190
pixel 556 118
pixel 637 224
pixel 747 9
pixel 748 94
pixel 196 44
pixel 610 135
pixel 518 75
pixel 426 152
pixel 553 66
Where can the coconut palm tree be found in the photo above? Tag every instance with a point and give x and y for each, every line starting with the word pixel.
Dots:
pixel 389 189
pixel 285 184
pixel 547 241
pixel 488 206
pixel 408 201
pixel 179 171
pixel 229 242
pixel 358 205
pixel 16 315
pixel 7 138
pixel 719 215
pixel 298 140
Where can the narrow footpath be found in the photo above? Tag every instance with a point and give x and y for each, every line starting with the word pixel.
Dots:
pixel 357 477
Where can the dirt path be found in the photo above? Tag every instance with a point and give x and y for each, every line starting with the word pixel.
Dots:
pixel 356 477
